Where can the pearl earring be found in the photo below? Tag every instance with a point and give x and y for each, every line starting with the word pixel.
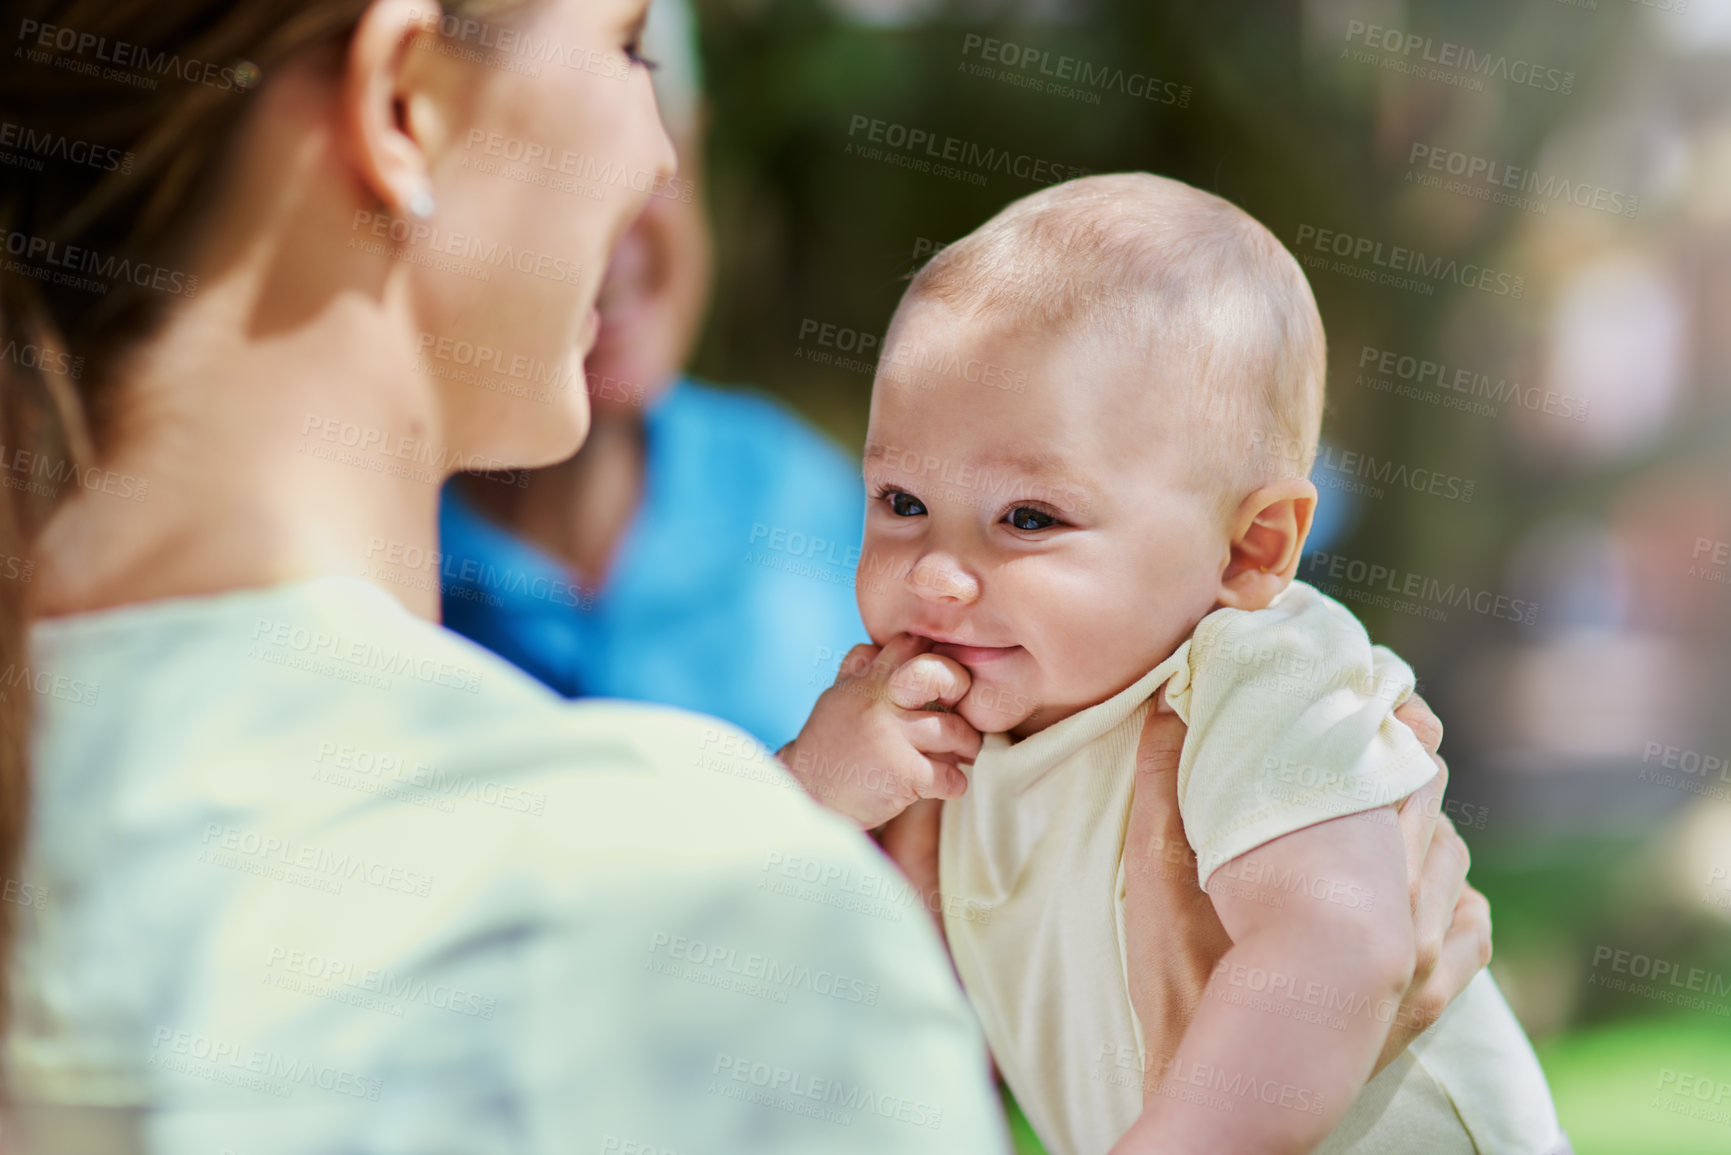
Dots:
pixel 421 204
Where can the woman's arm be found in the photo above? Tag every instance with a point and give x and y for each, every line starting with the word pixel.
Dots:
pixel 1175 939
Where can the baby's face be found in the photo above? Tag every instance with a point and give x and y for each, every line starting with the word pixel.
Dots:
pixel 1030 507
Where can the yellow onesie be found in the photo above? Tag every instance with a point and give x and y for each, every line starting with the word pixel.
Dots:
pixel 1290 713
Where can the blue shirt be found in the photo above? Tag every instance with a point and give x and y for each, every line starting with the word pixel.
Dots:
pixel 731 592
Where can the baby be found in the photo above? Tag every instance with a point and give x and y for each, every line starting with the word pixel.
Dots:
pixel 1086 473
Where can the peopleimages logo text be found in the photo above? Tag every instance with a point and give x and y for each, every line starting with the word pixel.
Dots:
pixel 1026 57
pixel 1401 259
pixel 1448 54
pixel 1495 176
pixel 967 153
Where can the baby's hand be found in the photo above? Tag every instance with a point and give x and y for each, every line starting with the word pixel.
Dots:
pixel 871 748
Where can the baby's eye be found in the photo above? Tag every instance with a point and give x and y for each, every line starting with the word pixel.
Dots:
pixel 904 504
pixel 1027 517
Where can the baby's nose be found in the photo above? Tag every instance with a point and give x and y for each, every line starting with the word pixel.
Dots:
pixel 941 578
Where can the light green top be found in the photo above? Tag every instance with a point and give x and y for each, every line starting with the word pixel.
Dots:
pixel 310 874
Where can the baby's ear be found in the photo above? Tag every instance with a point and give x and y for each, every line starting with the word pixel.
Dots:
pixel 1267 537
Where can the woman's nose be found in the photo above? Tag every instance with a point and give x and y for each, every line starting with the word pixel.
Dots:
pixel 939 577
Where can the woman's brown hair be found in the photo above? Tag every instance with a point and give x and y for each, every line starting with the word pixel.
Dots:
pixel 115 119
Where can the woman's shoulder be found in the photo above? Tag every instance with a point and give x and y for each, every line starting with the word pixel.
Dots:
pixel 409 885
pixel 584 896
pixel 327 702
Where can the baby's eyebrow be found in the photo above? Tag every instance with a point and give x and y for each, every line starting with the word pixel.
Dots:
pixel 1050 469
pixel 1049 466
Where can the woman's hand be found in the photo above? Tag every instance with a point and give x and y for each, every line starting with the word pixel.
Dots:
pixel 1451 920
pixel 1174 939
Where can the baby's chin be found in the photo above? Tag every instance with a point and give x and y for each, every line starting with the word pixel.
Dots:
pixel 991 710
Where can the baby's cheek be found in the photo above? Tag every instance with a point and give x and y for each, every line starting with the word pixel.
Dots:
pixel 876 608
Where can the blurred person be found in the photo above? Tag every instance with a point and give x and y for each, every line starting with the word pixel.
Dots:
pixel 315 873
pixel 698 550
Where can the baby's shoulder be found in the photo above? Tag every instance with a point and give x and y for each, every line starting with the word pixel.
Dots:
pixel 1302 622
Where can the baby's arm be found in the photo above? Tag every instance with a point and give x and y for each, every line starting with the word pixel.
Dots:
pixel 1296 1013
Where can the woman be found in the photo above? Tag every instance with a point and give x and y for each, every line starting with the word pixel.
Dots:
pixel 314 874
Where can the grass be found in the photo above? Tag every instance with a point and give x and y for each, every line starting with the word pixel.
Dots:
pixel 1026 1142
pixel 1607 1084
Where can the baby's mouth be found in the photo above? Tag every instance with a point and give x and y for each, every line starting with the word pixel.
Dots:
pixel 971 656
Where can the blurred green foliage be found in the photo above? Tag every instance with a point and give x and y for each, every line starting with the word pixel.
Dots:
pixel 1276 121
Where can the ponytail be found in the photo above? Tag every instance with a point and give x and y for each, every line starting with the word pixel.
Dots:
pixel 120 170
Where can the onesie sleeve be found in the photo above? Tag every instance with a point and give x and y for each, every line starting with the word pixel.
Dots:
pixel 1291 717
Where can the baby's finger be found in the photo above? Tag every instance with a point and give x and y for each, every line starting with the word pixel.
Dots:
pixel 944 736
pixel 857 661
pixel 927 678
pixel 1423 723
pixel 896 653
pixel 945 781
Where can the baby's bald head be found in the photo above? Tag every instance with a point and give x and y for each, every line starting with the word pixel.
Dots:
pixel 1179 280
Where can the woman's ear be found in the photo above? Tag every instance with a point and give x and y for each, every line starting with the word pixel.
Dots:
pixel 1267 537
pixel 390 120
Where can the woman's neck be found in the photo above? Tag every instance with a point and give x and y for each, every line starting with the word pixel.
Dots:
pixel 249 458
pixel 579 510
